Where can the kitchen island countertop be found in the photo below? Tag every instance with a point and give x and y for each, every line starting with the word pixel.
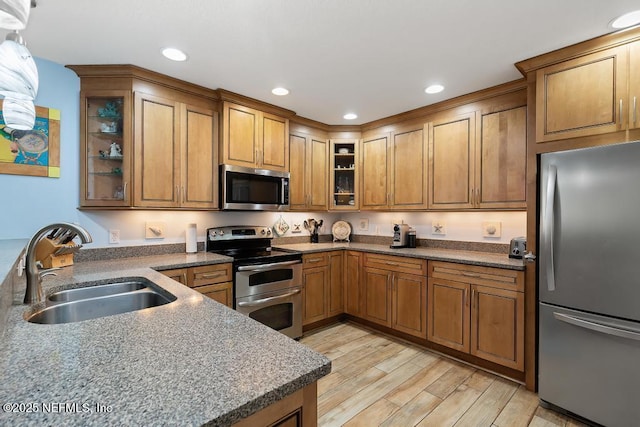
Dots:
pixel 190 362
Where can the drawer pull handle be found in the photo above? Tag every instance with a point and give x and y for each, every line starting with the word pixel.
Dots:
pixel 465 273
pixel 212 275
pixel 392 263
pixel 314 260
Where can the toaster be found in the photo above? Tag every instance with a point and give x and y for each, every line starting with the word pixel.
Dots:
pixel 517 247
pixel 400 236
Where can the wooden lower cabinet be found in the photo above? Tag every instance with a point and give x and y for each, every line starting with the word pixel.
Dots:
pixel 477 310
pixel 393 297
pixel 353 283
pixel 322 289
pixel 214 281
pixel 299 409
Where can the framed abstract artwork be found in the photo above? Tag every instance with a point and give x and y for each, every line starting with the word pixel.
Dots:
pixel 33 152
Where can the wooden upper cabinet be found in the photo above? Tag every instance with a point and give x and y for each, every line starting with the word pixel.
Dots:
pixel 253 138
pixel 344 174
pixel 298 196
pixel 634 85
pixel 374 167
pixel 309 169
pixel 274 142
pixel 409 168
pixel 199 165
pixel 105 119
pixel 451 162
pixel 393 169
pixel 167 130
pixel 174 154
pixel 156 152
pixel 502 153
pixel 583 96
pixel 241 135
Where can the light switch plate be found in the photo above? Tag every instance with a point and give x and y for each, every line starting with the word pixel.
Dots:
pixel 154 230
pixel 492 229
pixel 438 228
pixel 363 224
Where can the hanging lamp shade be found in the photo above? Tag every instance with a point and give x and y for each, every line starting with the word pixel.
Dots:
pixel 14 14
pixel 18 114
pixel 18 72
pixel 18 85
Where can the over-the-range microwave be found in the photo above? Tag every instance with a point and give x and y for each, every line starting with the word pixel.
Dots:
pixel 245 188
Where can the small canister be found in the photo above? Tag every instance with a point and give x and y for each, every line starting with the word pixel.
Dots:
pixel 411 238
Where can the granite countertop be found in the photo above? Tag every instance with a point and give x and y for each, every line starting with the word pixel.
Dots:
pixel 485 259
pixel 190 362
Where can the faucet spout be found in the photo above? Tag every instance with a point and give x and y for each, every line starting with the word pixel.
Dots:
pixel 33 292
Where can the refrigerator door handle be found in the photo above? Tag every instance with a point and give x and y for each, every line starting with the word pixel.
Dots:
pixel 548 228
pixel 598 327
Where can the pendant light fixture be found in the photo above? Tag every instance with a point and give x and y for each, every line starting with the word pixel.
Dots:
pixel 14 14
pixel 18 72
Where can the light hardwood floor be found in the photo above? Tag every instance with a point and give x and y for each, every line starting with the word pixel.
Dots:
pixel 377 380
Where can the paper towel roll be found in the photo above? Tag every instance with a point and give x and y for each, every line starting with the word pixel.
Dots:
pixel 192 238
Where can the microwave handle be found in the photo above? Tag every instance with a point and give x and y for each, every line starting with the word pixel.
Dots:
pixel 283 189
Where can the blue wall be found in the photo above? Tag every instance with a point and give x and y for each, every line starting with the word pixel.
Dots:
pixel 31 202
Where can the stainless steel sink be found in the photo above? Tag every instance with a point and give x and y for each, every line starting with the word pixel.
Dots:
pixel 97 291
pixel 92 302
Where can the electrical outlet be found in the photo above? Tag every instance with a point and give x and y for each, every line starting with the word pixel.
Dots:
pixel 438 228
pixel 363 224
pixel 114 236
pixel 154 230
pixel 492 229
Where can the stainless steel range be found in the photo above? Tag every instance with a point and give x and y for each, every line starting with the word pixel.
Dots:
pixel 267 284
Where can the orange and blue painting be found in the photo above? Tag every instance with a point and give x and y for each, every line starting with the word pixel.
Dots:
pixel 34 152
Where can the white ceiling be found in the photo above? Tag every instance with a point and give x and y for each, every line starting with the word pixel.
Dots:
pixel 371 57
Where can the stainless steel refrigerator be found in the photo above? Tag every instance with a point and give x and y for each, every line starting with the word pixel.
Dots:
pixel 589 283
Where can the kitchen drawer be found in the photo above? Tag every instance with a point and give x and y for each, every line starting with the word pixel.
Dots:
pixel 319 259
pixel 221 292
pixel 396 263
pixel 209 274
pixel 177 274
pixel 477 275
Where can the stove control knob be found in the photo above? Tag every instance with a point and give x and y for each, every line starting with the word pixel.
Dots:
pixel 268 231
pixel 263 231
pixel 213 234
pixel 221 232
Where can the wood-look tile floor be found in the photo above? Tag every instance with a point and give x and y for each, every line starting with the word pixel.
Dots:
pixel 377 380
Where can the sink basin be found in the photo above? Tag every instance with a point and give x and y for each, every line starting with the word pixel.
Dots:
pixel 97 291
pixel 92 302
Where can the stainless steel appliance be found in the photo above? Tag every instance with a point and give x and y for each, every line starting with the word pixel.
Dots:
pixel 400 233
pixel 589 286
pixel 517 247
pixel 267 283
pixel 253 189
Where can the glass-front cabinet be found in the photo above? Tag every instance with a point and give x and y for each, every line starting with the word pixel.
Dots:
pixel 344 176
pixel 106 146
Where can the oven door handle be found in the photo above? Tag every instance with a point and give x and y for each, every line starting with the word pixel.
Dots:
pixel 264 300
pixel 266 266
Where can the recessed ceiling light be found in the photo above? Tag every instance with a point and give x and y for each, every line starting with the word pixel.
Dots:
pixel 280 91
pixel 626 20
pixel 434 89
pixel 174 54
pixel 350 116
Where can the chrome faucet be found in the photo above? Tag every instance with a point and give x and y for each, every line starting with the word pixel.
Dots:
pixel 33 293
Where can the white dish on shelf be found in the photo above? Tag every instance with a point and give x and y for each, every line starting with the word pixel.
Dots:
pixel 341 231
pixel 343 151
